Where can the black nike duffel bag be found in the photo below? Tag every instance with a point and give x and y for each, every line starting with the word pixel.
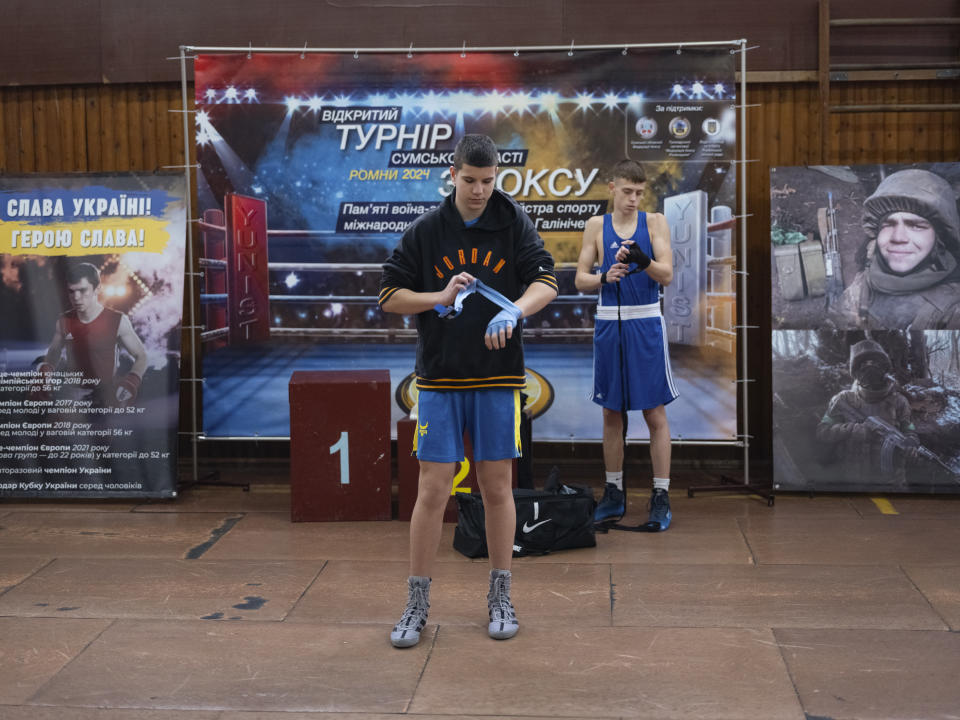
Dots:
pixel 547 521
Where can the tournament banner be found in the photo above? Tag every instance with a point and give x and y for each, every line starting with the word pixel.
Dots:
pixel 865 267
pixel 312 166
pixel 90 321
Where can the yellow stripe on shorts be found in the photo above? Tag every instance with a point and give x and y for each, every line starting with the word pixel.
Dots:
pixel 516 420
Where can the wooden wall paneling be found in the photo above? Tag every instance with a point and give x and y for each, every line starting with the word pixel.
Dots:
pixel 175 120
pixel 94 135
pixel 121 128
pixel 771 140
pixel 44 118
pixel 78 125
pixel 858 125
pixel 864 150
pixel 871 151
pixel 57 122
pixel 108 142
pixel 11 134
pixel 64 129
pixel 41 145
pixel 801 126
pixel 801 123
pixel 929 124
pixel 906 142
pixel 813 150
pixel 34 111
pixel 835 125
pixel 937 121
pixel 920 124
pixel 5 134
pixel 877 123
pixel 121 136
pixel 900 119
pixel 888 145
pixel 783 98
pixel 849 133
pixel 784 101
pixel 28 162
pixel 847 126
pixel 163 118
pixel 135 138
pixel 932 130
pixel 148 98
pixel 951 125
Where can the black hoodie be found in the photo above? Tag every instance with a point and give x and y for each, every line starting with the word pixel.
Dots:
pixel 502 249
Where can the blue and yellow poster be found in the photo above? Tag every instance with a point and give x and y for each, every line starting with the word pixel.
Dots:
pixel 90 318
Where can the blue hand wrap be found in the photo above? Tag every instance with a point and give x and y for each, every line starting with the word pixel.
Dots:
pixel 504 319
pixel 448 312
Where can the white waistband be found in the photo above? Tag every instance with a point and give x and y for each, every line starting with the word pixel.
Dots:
pixel 628 312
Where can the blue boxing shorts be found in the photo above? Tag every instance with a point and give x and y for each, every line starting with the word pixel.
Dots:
pixel 490 416
pixel 645 375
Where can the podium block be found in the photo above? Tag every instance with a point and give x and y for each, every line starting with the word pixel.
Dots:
pixel 339 445
pixel 408 474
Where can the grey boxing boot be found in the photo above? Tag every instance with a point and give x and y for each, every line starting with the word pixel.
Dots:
pixel 406 633
pixel 503 618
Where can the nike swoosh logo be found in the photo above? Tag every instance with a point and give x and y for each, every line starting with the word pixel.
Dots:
pixel 530 528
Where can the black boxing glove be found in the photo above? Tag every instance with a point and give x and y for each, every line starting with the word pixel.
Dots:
pixel 638 256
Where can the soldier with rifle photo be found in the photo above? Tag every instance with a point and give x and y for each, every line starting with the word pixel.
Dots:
pixel 869 427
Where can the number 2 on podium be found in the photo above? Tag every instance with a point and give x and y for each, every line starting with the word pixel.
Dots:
pixel 342 446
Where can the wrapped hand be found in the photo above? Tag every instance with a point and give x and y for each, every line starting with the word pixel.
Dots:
pixel 127 388
pixel 500 328
pixel 630 253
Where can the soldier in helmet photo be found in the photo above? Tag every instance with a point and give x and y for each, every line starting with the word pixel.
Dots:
pixel 910 277
pixel 868 427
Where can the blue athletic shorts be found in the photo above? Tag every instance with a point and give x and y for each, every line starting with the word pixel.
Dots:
pixel 491 417
pixel 646 364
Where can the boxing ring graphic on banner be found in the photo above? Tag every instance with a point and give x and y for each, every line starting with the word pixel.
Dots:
pixel 241 315
pixel 257 285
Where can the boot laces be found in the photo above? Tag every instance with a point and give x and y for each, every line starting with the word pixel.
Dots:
pixel 416 610
pixel 498 600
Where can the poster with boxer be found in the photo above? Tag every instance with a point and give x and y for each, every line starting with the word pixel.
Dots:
pixel 866 317
pixel 90 318
pixel 312 165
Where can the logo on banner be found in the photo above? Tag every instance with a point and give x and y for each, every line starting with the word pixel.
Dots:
pixel 646 127
pixel 711 127
pixel 679 127
pixel 539 392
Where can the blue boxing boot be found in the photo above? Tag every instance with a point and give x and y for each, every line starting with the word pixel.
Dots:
pixel 660 514
pixel 612 505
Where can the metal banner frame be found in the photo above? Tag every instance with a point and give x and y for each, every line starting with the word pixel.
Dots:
pixel 187 52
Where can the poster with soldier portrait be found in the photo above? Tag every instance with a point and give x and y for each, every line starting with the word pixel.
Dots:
pixel 866 328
